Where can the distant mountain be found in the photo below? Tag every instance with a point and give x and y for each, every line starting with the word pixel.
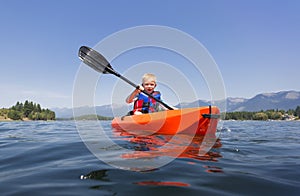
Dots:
pixel 105 110
pixel 284 100
pixel 280 100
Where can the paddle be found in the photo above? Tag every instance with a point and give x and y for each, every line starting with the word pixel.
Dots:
pixel 98 62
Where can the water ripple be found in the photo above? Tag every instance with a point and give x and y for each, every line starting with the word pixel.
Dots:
pixel 250 157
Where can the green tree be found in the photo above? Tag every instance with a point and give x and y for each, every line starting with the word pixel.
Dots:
pixel 14 115
pixel 39 108
pixel 27 109
pixel 50 115
pixel 290 112
pixel 260 116
pixel 274 115
pixel 19 107
pixel 30 110
pixel 297 111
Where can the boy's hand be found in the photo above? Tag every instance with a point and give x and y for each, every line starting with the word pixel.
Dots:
pixel 140 88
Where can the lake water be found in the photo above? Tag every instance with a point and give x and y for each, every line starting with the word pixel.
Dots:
pixel 50 158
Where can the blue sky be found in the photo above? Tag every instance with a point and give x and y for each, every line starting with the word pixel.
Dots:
pixel 255 43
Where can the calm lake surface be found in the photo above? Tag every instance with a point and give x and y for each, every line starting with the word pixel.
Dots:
pixel 50 158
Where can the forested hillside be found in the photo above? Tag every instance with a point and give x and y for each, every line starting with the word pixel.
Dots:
pixel 26 111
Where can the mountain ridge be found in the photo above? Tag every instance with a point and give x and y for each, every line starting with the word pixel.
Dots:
pixel 284 100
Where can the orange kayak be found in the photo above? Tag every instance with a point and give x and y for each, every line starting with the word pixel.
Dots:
pixel 195 121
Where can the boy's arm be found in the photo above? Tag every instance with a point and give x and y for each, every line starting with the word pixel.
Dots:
pixel 131 97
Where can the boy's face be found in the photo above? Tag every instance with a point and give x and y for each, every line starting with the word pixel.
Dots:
pixel 149 86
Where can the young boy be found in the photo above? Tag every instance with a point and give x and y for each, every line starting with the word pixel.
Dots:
pixel 143 103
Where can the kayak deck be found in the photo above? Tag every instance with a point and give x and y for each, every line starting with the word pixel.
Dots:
pixel 195 121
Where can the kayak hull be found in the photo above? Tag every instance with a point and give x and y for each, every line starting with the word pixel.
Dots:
pixel 195 121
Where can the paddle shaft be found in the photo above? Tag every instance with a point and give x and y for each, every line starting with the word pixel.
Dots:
pixel 98 62
pixel 108 69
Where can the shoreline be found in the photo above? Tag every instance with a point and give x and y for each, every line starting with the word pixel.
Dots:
pixel 5 119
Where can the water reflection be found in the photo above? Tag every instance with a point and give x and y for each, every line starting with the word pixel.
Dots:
pixel 162 183
pixel 151 147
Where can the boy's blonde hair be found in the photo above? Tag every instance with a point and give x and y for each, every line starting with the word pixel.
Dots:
pixel 149 76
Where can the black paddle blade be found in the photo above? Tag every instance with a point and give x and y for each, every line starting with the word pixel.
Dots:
pixel 95 60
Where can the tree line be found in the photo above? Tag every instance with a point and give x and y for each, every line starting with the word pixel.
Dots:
pixel 30 110
pixel 263 115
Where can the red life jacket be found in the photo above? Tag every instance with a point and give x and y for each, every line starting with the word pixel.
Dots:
pixel 146 104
